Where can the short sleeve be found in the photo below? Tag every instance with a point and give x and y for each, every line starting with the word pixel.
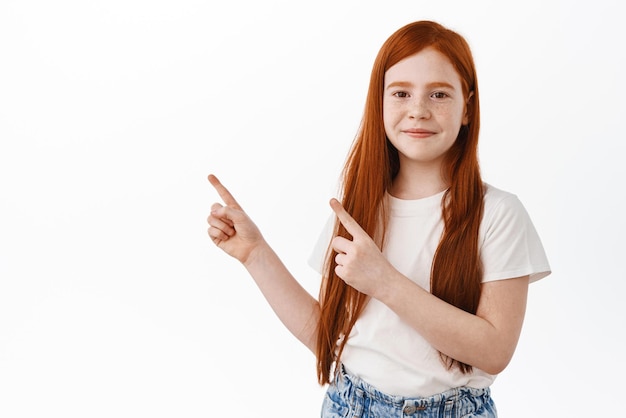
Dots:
pixel 510 246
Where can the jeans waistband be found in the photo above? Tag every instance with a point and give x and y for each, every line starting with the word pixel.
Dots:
pixel 459 399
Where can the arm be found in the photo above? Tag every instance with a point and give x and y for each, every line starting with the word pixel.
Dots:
pixel 235 233
pixel 485 340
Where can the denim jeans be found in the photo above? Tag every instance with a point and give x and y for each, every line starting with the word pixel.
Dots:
pixel 349 396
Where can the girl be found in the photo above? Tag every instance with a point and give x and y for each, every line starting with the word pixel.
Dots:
pixel 426 270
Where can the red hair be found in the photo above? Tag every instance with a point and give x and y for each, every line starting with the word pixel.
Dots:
pixel 370 168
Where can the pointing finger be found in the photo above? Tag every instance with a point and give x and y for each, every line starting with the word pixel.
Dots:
pixel 346 220
pixel 223 192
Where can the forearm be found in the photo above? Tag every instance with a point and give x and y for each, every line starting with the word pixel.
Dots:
pixel 293 305
pixel 486 341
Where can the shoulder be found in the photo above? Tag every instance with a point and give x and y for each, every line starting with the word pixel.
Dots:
pixel 496 199
pixel 502 208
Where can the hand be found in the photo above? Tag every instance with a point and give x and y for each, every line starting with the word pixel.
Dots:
pixel 360 263
pixel 229 226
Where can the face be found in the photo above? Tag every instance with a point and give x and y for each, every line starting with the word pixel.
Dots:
pixel 423 108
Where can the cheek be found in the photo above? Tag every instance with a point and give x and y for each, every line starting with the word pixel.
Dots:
pixel 391 116
pixel 386 119
pixel 452 117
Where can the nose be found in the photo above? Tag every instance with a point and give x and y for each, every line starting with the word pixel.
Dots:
pixel 419 109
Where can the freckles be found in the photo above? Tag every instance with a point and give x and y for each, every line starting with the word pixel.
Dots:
pixel 443 108
pixel 443 111
pixel 448 112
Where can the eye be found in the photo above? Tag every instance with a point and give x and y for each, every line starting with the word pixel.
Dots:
pixel 401 94
pixel 439 95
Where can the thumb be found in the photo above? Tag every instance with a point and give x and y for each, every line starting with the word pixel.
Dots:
pixel 228 214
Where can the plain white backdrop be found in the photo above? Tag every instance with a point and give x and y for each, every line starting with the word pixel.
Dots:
pixel 114 302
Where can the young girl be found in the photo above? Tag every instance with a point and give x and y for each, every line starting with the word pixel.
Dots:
pixel 426 271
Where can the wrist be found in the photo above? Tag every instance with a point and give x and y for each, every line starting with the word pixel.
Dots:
pixel 257 254
pixel 395 288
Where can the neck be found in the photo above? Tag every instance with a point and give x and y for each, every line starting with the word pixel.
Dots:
pixel 417 183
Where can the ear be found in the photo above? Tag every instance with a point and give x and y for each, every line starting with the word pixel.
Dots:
pixel 466 115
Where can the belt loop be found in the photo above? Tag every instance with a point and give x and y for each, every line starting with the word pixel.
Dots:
pixel 359 402
pixel 450 405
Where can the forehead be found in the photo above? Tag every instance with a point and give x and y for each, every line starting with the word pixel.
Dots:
pixel 425 67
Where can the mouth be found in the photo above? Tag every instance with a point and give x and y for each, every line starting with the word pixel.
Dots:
pixel 418 133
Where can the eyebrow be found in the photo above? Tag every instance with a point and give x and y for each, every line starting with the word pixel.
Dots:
pixel 436 84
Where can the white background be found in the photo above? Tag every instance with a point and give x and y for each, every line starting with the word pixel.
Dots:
pixel 114 302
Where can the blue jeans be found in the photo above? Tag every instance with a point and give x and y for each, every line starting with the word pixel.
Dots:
pixel 349 396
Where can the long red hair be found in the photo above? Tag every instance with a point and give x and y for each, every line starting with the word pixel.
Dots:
pixel 370 168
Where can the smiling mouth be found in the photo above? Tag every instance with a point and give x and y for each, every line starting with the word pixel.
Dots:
pixel 418 133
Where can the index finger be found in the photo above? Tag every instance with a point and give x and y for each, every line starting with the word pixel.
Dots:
pixel 223 192
pixel 346 220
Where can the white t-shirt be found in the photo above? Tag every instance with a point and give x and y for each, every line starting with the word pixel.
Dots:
pixel 385 351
